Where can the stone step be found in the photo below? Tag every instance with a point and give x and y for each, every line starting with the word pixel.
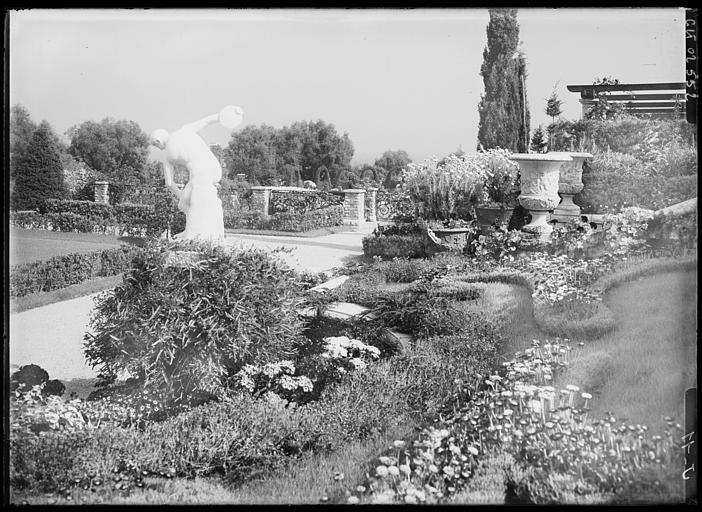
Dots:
pixel 341 311
pixel 331 284
pixel 399 339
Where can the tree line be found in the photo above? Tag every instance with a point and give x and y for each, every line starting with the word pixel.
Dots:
pixel 42 166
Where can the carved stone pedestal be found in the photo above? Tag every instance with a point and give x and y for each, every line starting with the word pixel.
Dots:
pixel 570 183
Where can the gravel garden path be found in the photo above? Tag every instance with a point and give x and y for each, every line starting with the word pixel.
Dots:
pixel 52 336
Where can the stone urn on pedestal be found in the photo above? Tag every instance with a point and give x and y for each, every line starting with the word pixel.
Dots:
pixel 570 183
pixel 539 189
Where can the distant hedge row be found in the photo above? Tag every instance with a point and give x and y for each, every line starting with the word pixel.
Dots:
pixel 91 217
pixel 61 271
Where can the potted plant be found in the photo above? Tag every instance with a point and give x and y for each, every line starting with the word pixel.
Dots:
pixel 500 187
pixel 444 194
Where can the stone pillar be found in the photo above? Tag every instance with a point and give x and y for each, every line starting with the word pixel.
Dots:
pixel 370 204
pixel 539 189
pixel 262 199
pixel 101 191
pixel 570 183
pixel 354 207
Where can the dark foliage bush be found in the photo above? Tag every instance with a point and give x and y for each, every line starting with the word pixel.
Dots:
pixel 181 330
pixel 30 375
pixel 394 246
pixel 38 172
pixel 61 271
pixel 54 387
pixel 424 313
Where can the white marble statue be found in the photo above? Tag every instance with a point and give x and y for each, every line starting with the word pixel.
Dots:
pixel 198 199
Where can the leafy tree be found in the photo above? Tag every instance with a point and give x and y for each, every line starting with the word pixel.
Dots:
pixel 252 151
pixel 504 113
pixel 39 172
pixel 538 142
pixel 393 162
pixel 117 150
pixel 76 175
pixel 21 130
pixel 303 151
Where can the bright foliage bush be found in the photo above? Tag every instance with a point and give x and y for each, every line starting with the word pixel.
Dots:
pixel 185 330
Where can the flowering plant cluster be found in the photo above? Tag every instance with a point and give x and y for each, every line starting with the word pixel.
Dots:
pixel 561 279
pixel 500 185
pixel 625 229
pixel 347 353
pixel 340 356
pixel 498 244
pixel 518 411
pixel 444 190
pixel 32 411
pixel 277 378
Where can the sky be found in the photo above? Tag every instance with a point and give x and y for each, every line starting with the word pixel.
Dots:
pixel 391 79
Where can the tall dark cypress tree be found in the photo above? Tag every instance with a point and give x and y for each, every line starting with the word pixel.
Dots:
pixel 38 173
pixel 504 113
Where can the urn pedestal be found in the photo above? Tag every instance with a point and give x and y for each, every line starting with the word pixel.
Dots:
pixel 539 189
pixel 570 183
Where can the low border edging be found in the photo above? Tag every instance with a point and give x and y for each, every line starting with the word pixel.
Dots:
pixel 593 327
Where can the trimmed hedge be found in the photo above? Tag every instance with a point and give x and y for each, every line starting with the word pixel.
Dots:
pixel 295 222
pixel 61 271
pixel 90 217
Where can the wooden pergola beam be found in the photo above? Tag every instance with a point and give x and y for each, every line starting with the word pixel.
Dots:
pixel 644 97
pixel 628 87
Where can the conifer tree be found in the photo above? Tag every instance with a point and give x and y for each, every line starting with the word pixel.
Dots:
pixel 538 142
pixel 38 174
pixel 553 106
pixel 504 113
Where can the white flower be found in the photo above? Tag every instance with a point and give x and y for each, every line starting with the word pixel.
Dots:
pixel 381 471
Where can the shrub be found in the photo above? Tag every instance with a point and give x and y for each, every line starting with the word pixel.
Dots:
pixel 424 312
pixel 28 376
pixel 394 246
pixel 61 271
pixel 616 180
pixel 444 190
pixel 185 330
pixel 38 172
pixel 88 209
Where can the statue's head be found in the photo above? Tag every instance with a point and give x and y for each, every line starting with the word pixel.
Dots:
pixel 159 138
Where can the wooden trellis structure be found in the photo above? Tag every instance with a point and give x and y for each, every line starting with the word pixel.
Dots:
pixel 667 101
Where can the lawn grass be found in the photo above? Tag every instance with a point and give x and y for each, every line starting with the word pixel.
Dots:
pixel 28 245
pixel 641 370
